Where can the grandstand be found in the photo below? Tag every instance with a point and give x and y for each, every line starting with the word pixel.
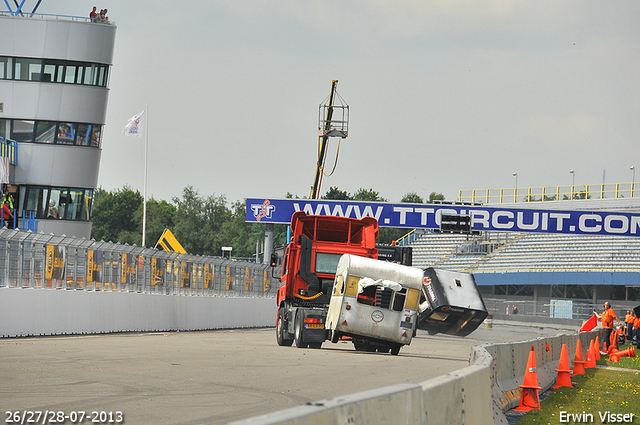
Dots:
pixel 533 269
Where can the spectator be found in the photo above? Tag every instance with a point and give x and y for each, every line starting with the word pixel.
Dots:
pixel 93 15
pixel 514 309
pixel 607 317
pixel 7 217
pixel 629 319
pixel 53 210
pixel 103 16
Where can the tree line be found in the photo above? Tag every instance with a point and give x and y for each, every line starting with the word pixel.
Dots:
pixel 204 224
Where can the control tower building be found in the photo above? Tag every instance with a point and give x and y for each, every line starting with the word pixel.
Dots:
pixel 54 87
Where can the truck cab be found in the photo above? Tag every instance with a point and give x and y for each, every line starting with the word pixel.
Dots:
pixel 308 272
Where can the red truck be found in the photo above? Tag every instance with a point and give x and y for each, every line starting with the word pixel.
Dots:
pixel 308 273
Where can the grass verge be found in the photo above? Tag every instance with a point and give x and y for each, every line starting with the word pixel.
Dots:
pixel 594 397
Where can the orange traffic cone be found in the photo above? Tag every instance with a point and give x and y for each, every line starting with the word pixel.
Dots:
pixel 564 373
pixel 530 399
pixel 613 338
pixel 578 363
pixel 590 363
pixel 597 345
pixel 629 352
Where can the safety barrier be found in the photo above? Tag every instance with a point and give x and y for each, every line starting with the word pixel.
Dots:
pixel 52 285
pixel 479 394
pixel 40 261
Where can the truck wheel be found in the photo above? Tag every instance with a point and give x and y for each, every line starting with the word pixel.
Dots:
pixel 299 331
pixel 282 336
pixel 335 336
pixel 395 349
pixel 315 345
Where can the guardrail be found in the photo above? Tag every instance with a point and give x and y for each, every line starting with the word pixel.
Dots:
pixel 40 261
pixel 479 394
pixel 548 193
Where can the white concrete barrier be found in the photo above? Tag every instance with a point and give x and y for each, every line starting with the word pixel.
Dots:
pixel 395 405
pixel 478 394
pixel 27 312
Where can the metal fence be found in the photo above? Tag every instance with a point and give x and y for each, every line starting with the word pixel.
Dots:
pixel 40 261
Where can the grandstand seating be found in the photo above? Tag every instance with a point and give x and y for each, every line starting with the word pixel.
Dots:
pixel 527 252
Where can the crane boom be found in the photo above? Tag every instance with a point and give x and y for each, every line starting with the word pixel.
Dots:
pixel 324 138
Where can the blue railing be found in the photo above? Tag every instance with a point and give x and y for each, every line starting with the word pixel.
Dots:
pixel 28 222
pixel 9 149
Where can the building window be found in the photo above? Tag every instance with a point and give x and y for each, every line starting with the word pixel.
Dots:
pixel 6 68
pixel 55 203
pixel 45 132
pixel 87 210
pixel 27 69
pixel 22 130
pixel 53 71
pixel 64 133
pixel 5 128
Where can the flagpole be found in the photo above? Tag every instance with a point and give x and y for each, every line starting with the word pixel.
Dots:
pixel 144 205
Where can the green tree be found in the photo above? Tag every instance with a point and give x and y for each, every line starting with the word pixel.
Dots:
pixel 433 196
pixel 363 194
pixel 198 220
pixel 336 194
pixel 412 198
pixel 160 216
pixel 114 217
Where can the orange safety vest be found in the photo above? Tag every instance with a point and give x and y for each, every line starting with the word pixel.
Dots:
pixel 636 323
pixel 630 318
pixel 607 318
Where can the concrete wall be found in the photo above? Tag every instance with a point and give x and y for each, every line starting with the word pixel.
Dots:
pixel 27 312
pixel 479 394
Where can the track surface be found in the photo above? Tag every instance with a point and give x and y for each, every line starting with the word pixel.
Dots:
pixel 216 376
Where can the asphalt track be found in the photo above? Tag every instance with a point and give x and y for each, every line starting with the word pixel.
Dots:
pixel 215 377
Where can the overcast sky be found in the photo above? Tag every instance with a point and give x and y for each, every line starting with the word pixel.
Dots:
pixel 443 95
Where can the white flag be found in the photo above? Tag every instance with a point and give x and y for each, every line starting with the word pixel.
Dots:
pixel 134 126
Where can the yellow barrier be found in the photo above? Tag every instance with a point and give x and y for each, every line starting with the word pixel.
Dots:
pixel 548 193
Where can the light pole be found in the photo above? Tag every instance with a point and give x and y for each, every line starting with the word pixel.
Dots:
pixel 573 182
pixel 633 178
pixel 515 192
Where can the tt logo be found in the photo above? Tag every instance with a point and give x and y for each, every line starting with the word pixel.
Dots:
pixel 264 210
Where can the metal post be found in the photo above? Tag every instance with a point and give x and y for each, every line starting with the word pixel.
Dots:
pixel 268 243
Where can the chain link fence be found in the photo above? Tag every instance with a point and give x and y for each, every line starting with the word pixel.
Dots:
pixel 40 261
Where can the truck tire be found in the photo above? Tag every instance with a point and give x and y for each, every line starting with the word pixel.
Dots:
pixel 395 349
pixel 299 331
pixel 282 336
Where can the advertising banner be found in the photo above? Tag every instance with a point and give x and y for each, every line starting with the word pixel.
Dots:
pixel 157 271
pixel 428 216
pixel 208 276
pixel 185 274
pixel 129 262
pixel 248 279
pixel 56 256
pixel 231 272
pixel 95 261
